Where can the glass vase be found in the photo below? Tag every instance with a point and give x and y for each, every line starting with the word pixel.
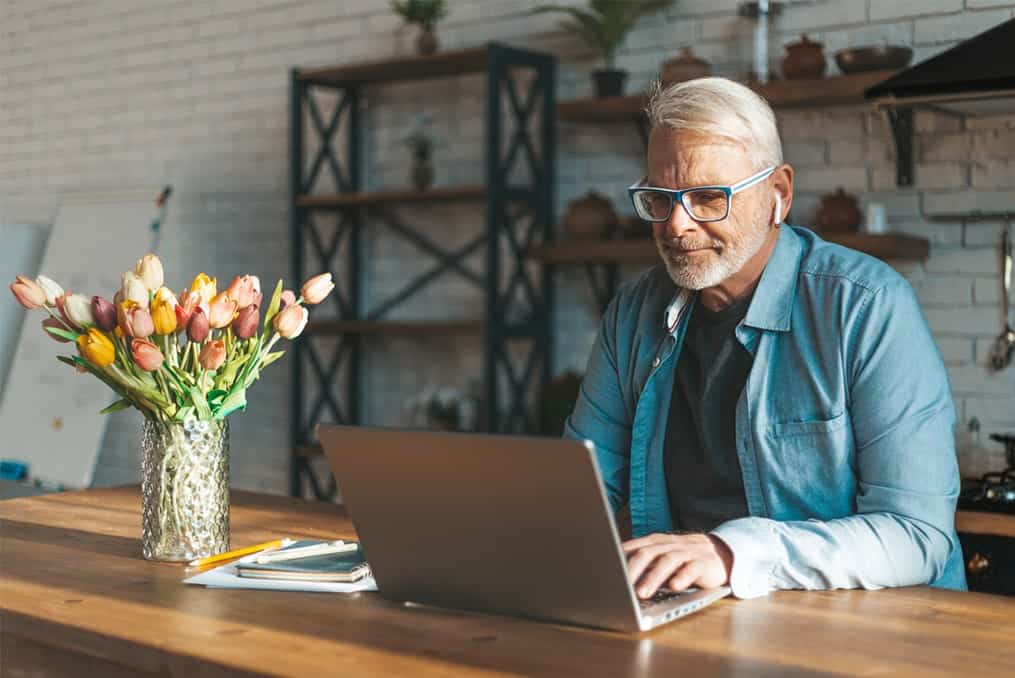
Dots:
pixel 184 489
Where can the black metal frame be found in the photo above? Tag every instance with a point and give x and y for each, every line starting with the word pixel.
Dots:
pixel 517 308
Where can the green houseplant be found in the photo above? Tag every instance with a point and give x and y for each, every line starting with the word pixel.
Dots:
pixel 426 14
pixel 604 25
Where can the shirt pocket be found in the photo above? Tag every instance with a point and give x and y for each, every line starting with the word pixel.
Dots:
pixel 790 429
pixel 812 475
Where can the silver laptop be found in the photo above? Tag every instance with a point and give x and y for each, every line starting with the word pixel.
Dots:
pixel 510 525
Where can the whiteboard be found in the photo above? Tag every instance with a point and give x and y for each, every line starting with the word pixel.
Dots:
pixel 20 253
pixel 49 414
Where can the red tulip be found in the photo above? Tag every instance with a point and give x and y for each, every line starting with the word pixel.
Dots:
pixel 212 355
pixel 245 325
pixel 146 355
pixel 185 307
pixel 198 328
pixel 103 313
pixel 28 293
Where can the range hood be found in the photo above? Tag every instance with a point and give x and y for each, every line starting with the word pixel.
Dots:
pixel 974 78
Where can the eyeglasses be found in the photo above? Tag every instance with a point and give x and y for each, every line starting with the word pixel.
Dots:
pixel 702 203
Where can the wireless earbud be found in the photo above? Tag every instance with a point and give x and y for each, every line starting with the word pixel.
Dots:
pixel 777 218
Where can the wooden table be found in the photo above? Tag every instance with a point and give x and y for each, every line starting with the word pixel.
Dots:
pixel 76 599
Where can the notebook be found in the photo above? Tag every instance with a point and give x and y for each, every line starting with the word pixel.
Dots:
pixel 335 567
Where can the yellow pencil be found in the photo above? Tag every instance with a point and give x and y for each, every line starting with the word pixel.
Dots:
pixel 238 553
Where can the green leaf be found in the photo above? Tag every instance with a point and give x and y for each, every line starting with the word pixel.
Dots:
pixel 269 315
pixel 184 413
pixel 271 357
pixel 63 334
pixel 200 404
pixel 215 397
pixel 237 400
pixel 121 404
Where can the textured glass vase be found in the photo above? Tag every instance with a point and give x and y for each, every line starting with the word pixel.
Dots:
pixel 184 489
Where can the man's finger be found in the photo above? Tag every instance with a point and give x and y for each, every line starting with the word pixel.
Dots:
pixel 638 561
pixel 661 570
pixel 686 576
pixel 641 542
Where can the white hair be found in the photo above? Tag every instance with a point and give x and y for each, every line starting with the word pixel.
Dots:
pixel 721 108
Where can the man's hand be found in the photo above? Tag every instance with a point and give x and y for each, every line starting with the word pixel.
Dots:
pixel 677 561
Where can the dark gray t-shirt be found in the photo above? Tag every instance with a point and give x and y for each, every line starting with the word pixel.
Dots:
pixel 701 463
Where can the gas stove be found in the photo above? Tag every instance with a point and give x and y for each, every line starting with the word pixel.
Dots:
pixel 994 492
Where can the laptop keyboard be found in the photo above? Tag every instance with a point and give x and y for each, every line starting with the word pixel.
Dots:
pixel 661 596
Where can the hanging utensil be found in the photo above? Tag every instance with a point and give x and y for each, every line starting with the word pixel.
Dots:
pixel 1004 345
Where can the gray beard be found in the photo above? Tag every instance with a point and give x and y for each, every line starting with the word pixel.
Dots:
pixel 692 275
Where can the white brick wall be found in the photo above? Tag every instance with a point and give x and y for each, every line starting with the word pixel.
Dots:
pixel 101 94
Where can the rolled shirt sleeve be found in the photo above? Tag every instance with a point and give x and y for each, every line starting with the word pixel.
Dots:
pixel 903 422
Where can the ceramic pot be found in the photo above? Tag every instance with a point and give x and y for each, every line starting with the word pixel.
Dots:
pixel 609 82
pixel 685 67
pixel 804 59
pixel 839 212
pixel 427 43
pixel 589 217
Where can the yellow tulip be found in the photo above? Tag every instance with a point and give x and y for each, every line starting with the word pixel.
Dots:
pixel 96 347
pixel 204 286
pixel 164 316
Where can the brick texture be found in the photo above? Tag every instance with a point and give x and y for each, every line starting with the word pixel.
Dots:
pixel 112 94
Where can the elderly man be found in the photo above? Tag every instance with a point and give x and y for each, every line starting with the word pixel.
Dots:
pixel 772 407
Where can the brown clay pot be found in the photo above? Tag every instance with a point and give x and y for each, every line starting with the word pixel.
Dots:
pixel 426 43
pixel 839 212
pixel 591 216
pixel 804 59
pixel 684 67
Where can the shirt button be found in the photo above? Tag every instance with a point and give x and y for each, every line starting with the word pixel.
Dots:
pixel 655 363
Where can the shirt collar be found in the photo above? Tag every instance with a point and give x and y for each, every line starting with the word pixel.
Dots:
pixel 772 305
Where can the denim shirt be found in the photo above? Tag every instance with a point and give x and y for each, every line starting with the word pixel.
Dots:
pixel 844 429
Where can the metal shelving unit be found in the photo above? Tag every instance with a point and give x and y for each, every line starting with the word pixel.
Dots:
pixel 513 218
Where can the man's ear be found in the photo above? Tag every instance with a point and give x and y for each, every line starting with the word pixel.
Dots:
pixel 777 215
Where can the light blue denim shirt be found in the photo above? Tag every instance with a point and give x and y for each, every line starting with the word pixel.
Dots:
pixel 844 429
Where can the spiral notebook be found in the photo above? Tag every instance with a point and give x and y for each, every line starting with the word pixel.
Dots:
pixel 337 567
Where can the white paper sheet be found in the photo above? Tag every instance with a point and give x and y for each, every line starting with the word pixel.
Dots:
pixel 225 577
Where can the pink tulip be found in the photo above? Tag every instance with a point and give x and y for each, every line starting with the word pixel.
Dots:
pixel 289 323
pixel 221 311
pixel 146 355
pixel 245 325
pixel 104 314
pixel 317 289
pixel 28 293
pixel 198 328
pixel 212 355
pixel 53 322
pixel 137 322
pixel 244 290
pixel 288 298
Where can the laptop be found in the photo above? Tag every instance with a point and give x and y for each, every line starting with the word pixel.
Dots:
pixel 504 524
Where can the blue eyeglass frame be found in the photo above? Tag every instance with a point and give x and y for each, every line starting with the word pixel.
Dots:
pixel 678 196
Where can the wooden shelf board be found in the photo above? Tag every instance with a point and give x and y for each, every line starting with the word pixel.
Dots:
pixel 982 522
pixel 308 451
pixel 842 90
pixel 447 194
pixel 395 328
pixel 884 246
pixel 413 67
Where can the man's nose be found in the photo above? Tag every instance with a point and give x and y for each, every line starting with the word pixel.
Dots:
pixel 680 222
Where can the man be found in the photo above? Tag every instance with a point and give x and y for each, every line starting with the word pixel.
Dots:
pixel 772 407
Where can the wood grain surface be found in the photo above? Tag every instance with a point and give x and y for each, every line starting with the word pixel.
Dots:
pixel 76 598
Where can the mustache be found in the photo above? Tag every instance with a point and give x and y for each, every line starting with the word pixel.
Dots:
pixel 687 244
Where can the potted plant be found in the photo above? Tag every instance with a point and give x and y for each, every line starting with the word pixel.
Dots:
pixel 425 13
pixel 604 25
pixel 421 143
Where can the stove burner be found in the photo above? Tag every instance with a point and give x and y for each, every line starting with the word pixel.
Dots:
pixel 996 491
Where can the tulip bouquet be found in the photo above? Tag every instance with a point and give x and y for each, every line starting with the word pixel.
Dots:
pixel 173 357
pixel 186 363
